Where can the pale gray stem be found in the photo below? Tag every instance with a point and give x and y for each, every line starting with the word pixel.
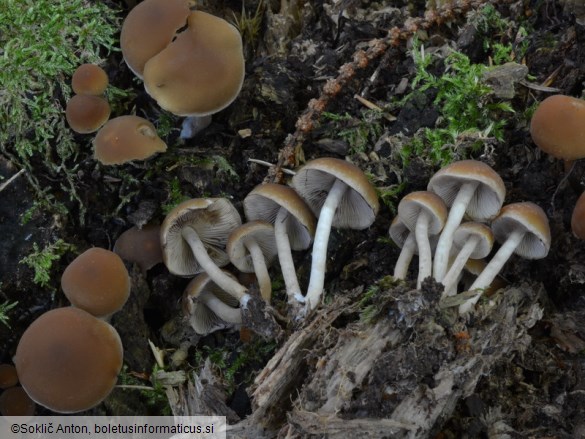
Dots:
pixel 193 125
pixel 408 248
pixel 287 266
pixel 456 213
pixel 221 309
pixel 425 260
pixel 260 269
pixel 452 276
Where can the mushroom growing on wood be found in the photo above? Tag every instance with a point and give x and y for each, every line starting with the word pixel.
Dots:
pixel 467 186
pixel 341 196
pixel 521 228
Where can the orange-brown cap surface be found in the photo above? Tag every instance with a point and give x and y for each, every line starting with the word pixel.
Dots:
pixel 68 360
pixel 15 402
pixel 86 114
pixel 89 79
pixel 578 218
pixel 141 246
pixel 415 203
pixel 8 376
pixel 126 138
pixel 97 281
pixel 201 72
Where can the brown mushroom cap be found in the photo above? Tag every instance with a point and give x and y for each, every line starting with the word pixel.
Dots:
pixel 481 231
pixel 15 402
pixel 127 138
pixel 201 72
pixel 413 204
pixel 141 246
pixel 262 232
pixel 149 28
pixel 89 79
pixel 558 127
pixel 86 114
pixel 68 360
pixel 578 218
pixel 97 281
pixel 8 376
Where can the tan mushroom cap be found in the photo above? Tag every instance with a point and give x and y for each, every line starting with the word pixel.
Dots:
pixel 89 79
pixel 558 127
pixel 359 205
pixel 8 376
pixel 489 195
pixel 262 232
pixel 264 202
pixel 126 138
pixel 529 217
pixel 86 114
pixel 483 232
pixel 578 218
pixel 413 204
pixel 15 402
pixel 149 28
pixel 141 246
pixel 213 219
pixel 201 72
pixel 68 360
pixel 97 281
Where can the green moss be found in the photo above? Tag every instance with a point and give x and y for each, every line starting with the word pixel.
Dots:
pixel 4 309
pixel 359 133
pixel 41 261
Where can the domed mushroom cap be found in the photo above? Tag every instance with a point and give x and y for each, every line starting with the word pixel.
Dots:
pixel 213 219
pixel 264 202
pixel 262 233
pixel 141 246
pixel 89 79
pixel 201 72
pixel 15 402
pixel 126 138
pixel 413 204
pixel 481 231
pixel 530 218
pixel 359 205
pixel 398 231
pixel 86 114
pixel 558 127
pixel 8 376
pixel 149 28
pixel 578 218
pixel 68 360
pixel 489 195
pixel 97 281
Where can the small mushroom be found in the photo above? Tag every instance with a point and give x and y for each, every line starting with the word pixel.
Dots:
pixel 578 218
pixel 521 228
pixel 68 360
pixel 86 114
pixel 97 282
pixel 294 227
pixel 424 214
pixel 252 248
pixel 467 186
pixel 472 269
pixel 89 79
pixel 208 307
pixel 341 195
pixel 140 246
pixel 126 138
pixel 8 376
pixel 15 402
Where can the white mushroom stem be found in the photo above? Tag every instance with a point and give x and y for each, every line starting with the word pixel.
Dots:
pixel 222 310
pixel 287 266
pixel 193 125
pixel 451 278
pixel 260 269
pixel 222 280
pixel 425 261
pixel 456 213
pixel 405 257
pixel 318 264
pixel 491 270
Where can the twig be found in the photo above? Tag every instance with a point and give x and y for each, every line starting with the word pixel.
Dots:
pixel 10 180
pixel 271 165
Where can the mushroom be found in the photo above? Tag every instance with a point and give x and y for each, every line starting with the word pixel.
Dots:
pixel 89 79
pixel 126 138
pixel 578 218
pixel 252 248
pixel 8 376
pixel 341 195
pixel 68 360
pixel 140 246
pixel 97 282
pixel 467 186
pixel 15 402
pixel 424 214
pixel 521 228
pixel 150 27
pixel 86 114
pixel 472 269
pixel 294 227
pixel 193 236
pixel 200 72
pixel 208 307
pixel 474 241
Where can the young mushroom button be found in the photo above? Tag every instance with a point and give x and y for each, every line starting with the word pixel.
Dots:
pixel 467 186
pixel 86 114
pixel 341 196
pixel 521 228
pixel 89 79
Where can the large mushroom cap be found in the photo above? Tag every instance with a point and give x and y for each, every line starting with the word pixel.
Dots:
pixel 89 79
pixel 213 219
pixel 359 205
pixel 530 218
pixel 86 114
pixel 97 281
pixel 264 202
pixel 262 233
pixel 149 28
pixel 413 204
pixel 201 72
pixel 488 197
pixel 68 360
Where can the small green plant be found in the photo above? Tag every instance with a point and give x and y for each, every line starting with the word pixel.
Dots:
pixel 359 133
pixel 248 24
pixel 4 309
pixel 41 261
pixel 155 398
pixel 175 197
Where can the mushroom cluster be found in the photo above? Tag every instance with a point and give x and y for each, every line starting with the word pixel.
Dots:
pixel 466 189
pixel 14 401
